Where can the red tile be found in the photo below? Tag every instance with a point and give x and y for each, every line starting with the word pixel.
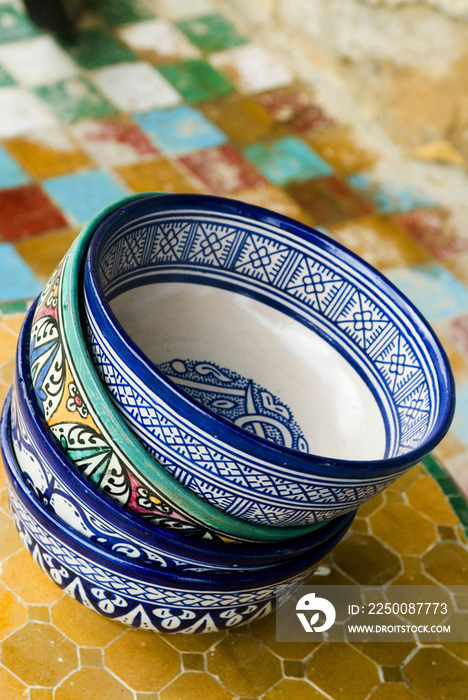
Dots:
pixel 27 211
pixel 223 169
pixel 297 108
pixel 114 141
pixel 329 200
pixel 434 229
pixel 457 331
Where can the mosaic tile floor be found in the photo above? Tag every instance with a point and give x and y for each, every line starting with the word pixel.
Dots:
pixel 180 99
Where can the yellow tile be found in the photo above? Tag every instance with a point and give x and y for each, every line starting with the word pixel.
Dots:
pixel 339 148
pixel 448 563
pixel 8 341
pixel 427 497
pixel 41 693
pixel 92 684
pixel 244 665
pixel 193 662
pixel 458 266
pixel 449 447
pixel 41 160
pixel 460 649
pixel 366 560
pixel 403 529
pixel 85 627
pixel 240 118
pixel 39 655
pixel 386 653
pixel 22 575
pixel 380 242
pixel 413 578
pixel 342 671
pixel 4 389
pixel 360 525
pixel 289 689
pixel 157 176
pixel 4 502
pixel 434 673
pixel 13 614
pixel 10 687
pixel 271 197
pixel 394 691
pixel 9 541
pixel 2 474
pixel 7 370
pixel 411 564
pixel 410 477
pixel 195 686
pixel 371 506
pixel 194 642
pixel 43 253
pixel 39 613
pixel 13 322
pixel 90 656
pixel 265 630
pixel 154 663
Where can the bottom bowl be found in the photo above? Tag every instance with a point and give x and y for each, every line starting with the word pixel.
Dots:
pixel 137 595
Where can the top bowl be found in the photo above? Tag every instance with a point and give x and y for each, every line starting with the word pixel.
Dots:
pixel 270 370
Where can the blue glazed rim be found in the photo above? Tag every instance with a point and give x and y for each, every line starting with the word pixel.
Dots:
pixel 228 433
pixel 106 558
pixel 245 553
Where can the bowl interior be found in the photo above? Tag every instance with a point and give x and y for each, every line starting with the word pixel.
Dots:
pixel 278 329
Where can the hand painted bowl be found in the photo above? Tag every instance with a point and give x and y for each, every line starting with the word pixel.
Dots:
pixel 270 370
pixel 132 593
pixel 84 421
pixel 66 492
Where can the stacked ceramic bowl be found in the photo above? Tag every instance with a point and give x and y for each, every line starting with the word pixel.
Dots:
pixel 205 393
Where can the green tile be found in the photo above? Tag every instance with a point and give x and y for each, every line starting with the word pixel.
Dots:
pixel 5 78
pixel 97 49
pixel 117 12
pixel 75 99
pixel 448 486
pixel 7 308
pixel 433 467
pixel 196 80
pixel 460 507
pixel 211 32
pixel 14 25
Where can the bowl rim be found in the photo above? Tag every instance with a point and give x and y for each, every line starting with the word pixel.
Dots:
pixel 231 435
pixel 182 545
pixel 84 547
pixel 70 312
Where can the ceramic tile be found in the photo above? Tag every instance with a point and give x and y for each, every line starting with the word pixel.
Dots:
pixel 394 691
pixel 366 560
pixel 427 498
pixel 136 87
pixel 389 654
pixel 403 529
pixel 193 662
pixel 183 9
pixel 158 41
pixel 212 32
pixel 143 673
pixel 195 686
pixel 47 656
pixel 196 80
pixel 222 170
pixel 83 194
pixel 380 242
pixel 96 49
pixel 299 690
pixel 433 289
pixel 244 665
pixel 251 69
pixel 389 197
pixel 41 694
pixel 275 199
pixel 434 672
pixel 13 614
pixel 447 563
pixel 39 613
pixel 11 173
pixel 37 61
pixel 160 175
pixel 26 211
pixel 11 688
pixel 8 345
pixel 46 152
pixel 43 253
pixel 297 108
pixel 328 200
pixel 195 642
pixel 74 99
pixel 117 12
pixel 98 681
pixel 242 119
pixel 21 576
pixel 339 147
pixel 293 669
pixel 435 230
pixel 114 141
pixel 5 78
pixel 342 671
pixel 289 159
pixel 83 626
pixel 14 25
pixel 180 130
pixel 21 111
pixel 90 656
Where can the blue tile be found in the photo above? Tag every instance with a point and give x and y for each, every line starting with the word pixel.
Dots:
pixel 11 174
pixel 460 421
pixel 16 279
pixel 389 197
pixel 180 129
pixel 433 290
pixel 286 160
pixel 82 195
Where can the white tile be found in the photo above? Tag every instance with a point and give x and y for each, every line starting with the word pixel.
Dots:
pixel 136 87
pixel 21 111
pixel 181 9
pixel 159 36
pixel 37 61
pixel 110 144
pixel 252 69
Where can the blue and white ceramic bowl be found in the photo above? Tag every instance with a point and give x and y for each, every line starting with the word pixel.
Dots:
pixel 62 489
pixel 270 370
pixel 135 594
